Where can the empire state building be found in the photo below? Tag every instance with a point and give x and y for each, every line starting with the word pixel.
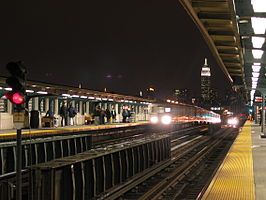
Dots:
pixel 205 81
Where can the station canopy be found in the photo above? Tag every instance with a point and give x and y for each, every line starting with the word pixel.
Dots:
pixel 235 32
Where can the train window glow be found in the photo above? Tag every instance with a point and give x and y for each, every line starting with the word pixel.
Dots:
pixel 166 119
pixel 167 110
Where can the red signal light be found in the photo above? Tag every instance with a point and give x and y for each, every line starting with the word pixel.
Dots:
pixel 15 97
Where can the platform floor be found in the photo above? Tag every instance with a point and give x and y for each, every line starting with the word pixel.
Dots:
pixel 242 175
pixel 6 134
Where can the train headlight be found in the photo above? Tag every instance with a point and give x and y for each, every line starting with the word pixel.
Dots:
pixel 154 119
pixel 166 119
pixel 232 121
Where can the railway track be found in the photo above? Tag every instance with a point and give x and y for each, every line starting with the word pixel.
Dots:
pixel 177 137
pixel 184 175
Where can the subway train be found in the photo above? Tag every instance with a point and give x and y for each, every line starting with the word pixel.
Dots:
pixel 174 112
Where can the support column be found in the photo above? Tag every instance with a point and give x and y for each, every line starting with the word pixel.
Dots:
pixel 56 106
pixel 263 116
pixel 81 107
pixel 36 103
pixel 87 107
pixel 9 107
pixel 46 104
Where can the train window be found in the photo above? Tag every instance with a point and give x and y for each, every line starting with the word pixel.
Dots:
pixel 167 110
pixel 161 110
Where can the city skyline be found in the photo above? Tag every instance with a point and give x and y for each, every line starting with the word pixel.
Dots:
pixel 123 47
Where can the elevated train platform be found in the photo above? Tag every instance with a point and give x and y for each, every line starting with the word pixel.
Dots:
pixel 242 173
pixel 11 133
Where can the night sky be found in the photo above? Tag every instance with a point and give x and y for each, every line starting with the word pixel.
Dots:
pixel 126 46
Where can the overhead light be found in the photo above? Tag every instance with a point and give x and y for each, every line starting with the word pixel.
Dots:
pixel 91 97
pixel 243 21
pixel 256 63
pixel 66 95
pixel 255 74
pixel 42 92
pixel 245 37
pixel 256 68
pixel 257 41
pixel 258 25
pixel 29 91
pixel 257 54
pixel 83 97
pixel 254 79
pixel 75 96
pixel 258 5
pixel 254 85
pixel 8 89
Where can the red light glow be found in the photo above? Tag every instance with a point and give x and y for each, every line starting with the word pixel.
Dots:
pixel 17 98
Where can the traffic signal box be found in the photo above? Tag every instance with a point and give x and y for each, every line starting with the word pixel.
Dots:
pixel 17 82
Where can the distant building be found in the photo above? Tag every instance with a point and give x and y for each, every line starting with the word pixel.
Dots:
pixel 205 82
pixel 182 95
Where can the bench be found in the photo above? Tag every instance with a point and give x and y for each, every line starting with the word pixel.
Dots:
pixel 89 120
pixel 47 122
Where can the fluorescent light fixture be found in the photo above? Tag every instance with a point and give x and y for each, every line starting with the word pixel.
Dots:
pixel 75 96
pixel 254 79
pixel 104 99
pixel 258 25
pixel 83 97
pixel 110 100
pixel 66 95
pixel 255 74
pixel 29 91
pixel 256 63
pixel 1 88
pixel 91 97
pixel 256 68
pixel 243 21
pixel 8 89
pixel 258 5
pixel 254 86
pixel 98 98
pixel 257 41
pixel 257 54
pixel 42 92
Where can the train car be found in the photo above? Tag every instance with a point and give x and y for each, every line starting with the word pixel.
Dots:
pixel 168 113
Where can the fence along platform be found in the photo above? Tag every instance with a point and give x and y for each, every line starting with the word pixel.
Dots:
pixel 89 174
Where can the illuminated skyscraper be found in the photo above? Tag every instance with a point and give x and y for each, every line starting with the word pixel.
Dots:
pixel 205 81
